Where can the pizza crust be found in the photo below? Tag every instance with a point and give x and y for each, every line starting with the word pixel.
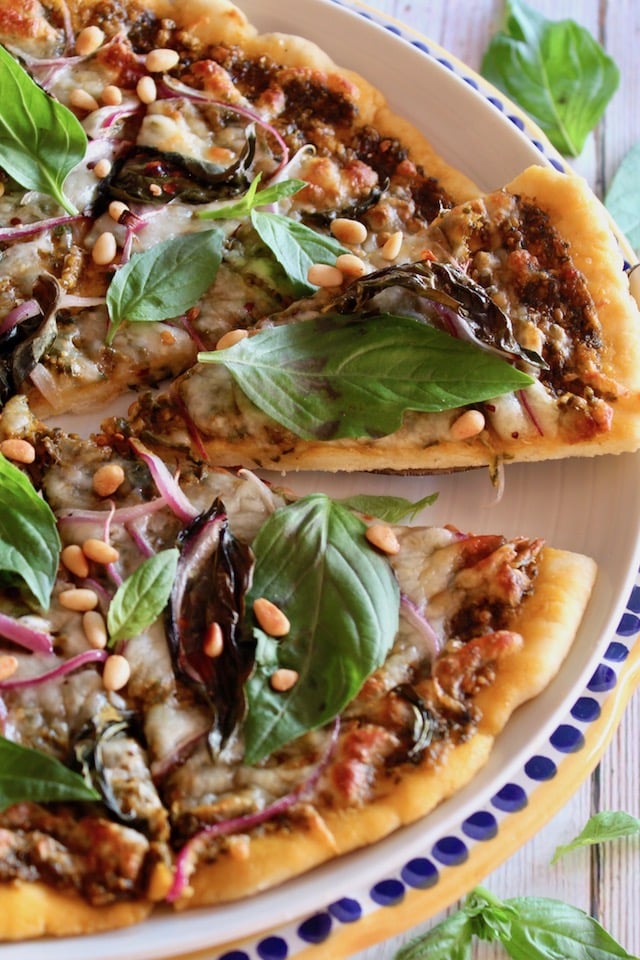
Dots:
pixel 548 622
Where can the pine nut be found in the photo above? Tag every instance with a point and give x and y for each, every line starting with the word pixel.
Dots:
pixel 146 89
pixel 102 168
pixel 350 266
pixel 230 338
pixel 468 424
pixel 213 641
pixel 116 209
pixel 348 231
pixel 324 275
pixel 99 551
pixel 383 538
pixel 79 599
pixel 75 561
pixel 111 96
pixel 95 629
pixel 20 451
pixel 104 249
pixel 8 666
pixel 283 679
pixel 116 672
pixel 392 247
pixel 82 100
pixel 88 41
pixel 161 59
pixel 271 618
pixel 107 479
pixel 155 189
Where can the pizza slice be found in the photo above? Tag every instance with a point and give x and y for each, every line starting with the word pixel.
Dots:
pixel 513 336
pixel 209 685
pixel 170 183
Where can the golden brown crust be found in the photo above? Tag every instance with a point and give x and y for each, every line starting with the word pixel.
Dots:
pixel 548 622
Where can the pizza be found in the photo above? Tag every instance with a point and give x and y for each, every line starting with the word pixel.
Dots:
pixel 226 685
pixel 210 684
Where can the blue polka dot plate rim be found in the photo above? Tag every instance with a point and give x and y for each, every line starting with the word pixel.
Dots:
pixel 551 743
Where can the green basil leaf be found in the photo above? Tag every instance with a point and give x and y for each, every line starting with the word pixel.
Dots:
pixel 622 199
pixel 555 70
pixel 448 940
pixel 27 774
pixel 389 509
pixel 141 598
pixel 253 198
pixel 607 825
pixel 313 561
pixel 29 540
pixel 336 376
pixel 490 917
pixel 295 246
pixel 546 929
pixel 40 139
pixel 166 280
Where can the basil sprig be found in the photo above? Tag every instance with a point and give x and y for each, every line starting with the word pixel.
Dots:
pixel 253 198
pixel 29 540
pixel 555 70
pixel 40 139
pixel 339 376
pixel 603 826
pixel 27 774
pixel 529 928
pixel 164 281
pixel 295 246
pixel 141 598
pixel 312 560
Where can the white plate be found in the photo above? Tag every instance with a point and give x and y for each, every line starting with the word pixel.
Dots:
pixel 590 506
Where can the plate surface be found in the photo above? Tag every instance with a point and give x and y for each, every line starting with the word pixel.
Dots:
pixel 590 506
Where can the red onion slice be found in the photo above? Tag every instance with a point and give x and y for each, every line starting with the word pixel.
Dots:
pixel 74 663
pixel 25 636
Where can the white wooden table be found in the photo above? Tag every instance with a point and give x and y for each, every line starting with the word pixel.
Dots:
pixel 603 880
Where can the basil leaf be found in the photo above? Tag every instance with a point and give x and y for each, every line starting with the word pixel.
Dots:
pixel 337 376
pixel 29 540
pixel 295 246
pixel 622 199
pixel 312 560
pixel 555 70
pixel 141 598
pixel 607 825
pixel 40 139
pixel 389 509
pixel 166 280
pixel 546 929
pixel 448 940
pixel 27 774
pixel 253 198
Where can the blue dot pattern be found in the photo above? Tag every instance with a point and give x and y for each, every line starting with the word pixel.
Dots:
pixel 421 872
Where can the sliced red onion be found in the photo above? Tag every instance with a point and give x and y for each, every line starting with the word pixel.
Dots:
pixel 185 861
pixel 68 301
pixel 45 384
pixel 74 663
pixel 526 406
pixel 166 483
pixel 415 618
pixel 25 230
pixel 123 515
pixel 175 86
pixel 24 311
pixel 192 430
pixel 36 640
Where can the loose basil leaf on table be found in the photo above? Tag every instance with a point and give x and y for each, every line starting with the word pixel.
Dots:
pixel 312 560
pixel 40 139
pixel 337 376
pixel 141 598
pixel 622 199
pixel 164 281
pixel 29 540
pixel 555 70
pixel 29 775
pixel 295 246
pixel 606 825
